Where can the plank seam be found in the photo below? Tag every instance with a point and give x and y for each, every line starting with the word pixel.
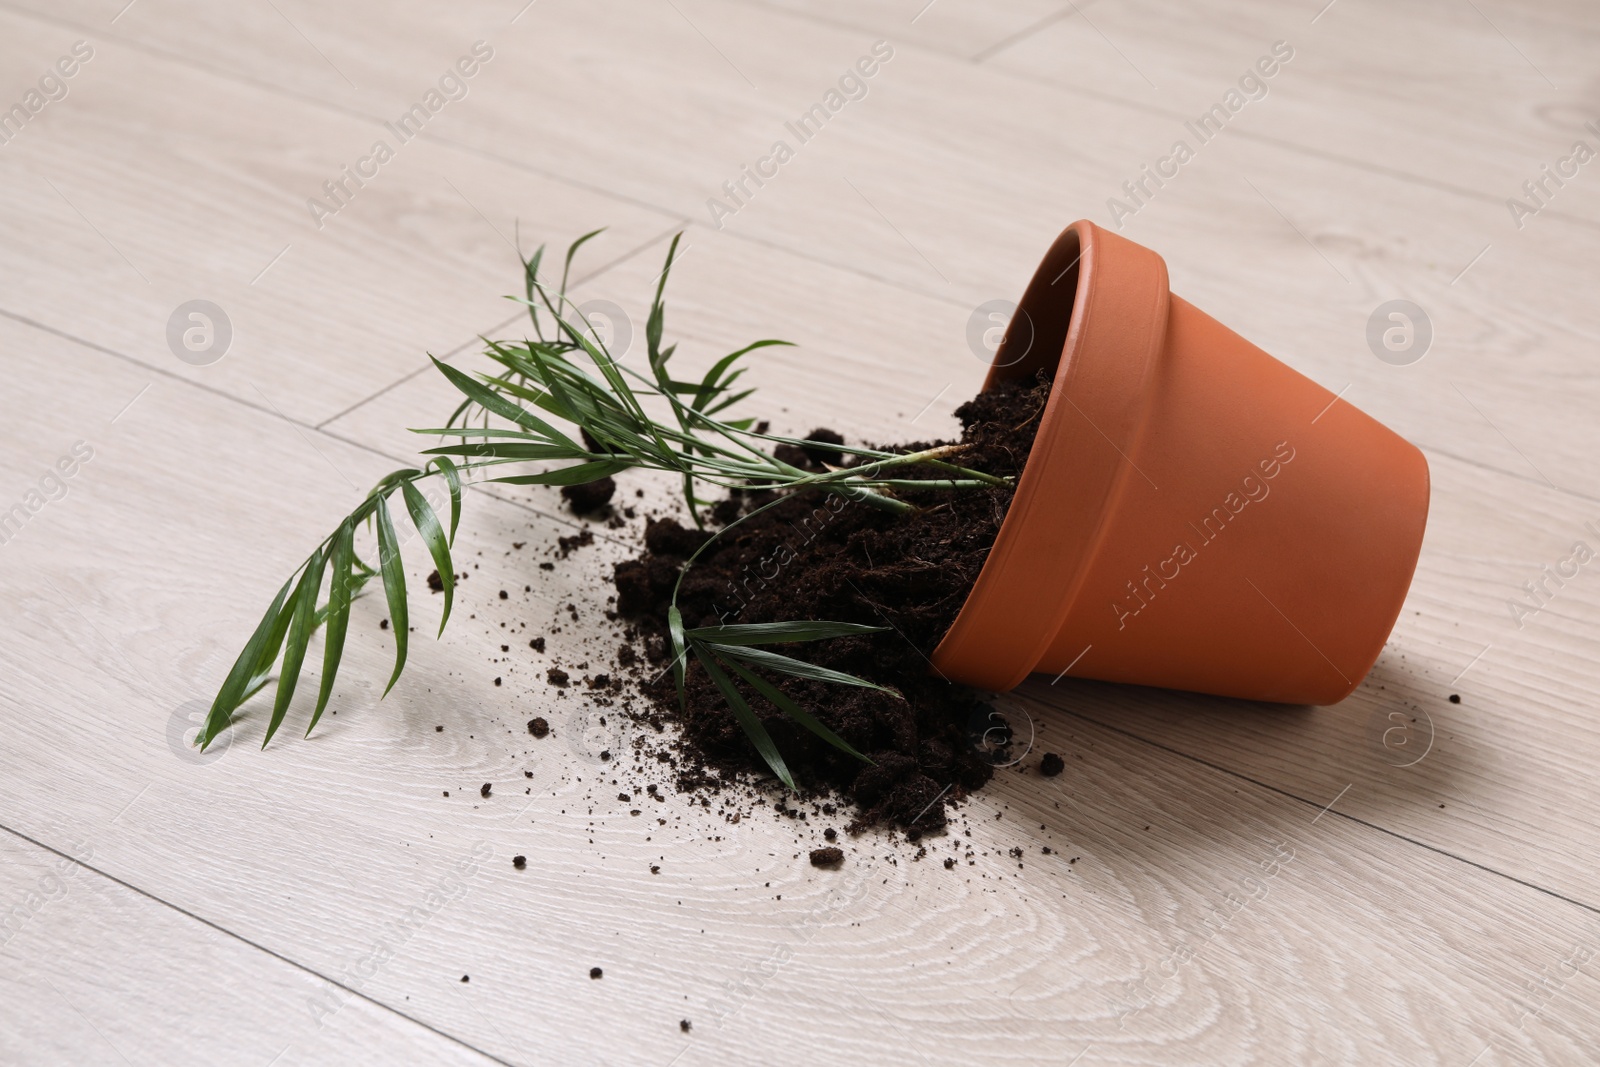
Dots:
pixel 219 928
pixel 1202 761
pixel 497 327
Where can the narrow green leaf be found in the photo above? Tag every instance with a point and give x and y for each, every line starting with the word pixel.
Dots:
pixel 394 588
pixel 652 336
pixel 513 450
pixel 294 652
pixel 729 401
pixel 427 524
pixel 358 580
pixel 675 626
pixel 572 250
pixel 608 369
pixel 387 485
pixel 530 278
pixel 708 384
pixel 711 383
pixel 797 667
pixel 340 587
pixel 672 252
pixel 727 383
pixel 771 633
pixel 489 400
pixel 452 478
pixel 506 432
pixel 690 499
pixel 658 314
pixel 747 719
pixel 355 557
pixel 538 396
pixel 274 642
pixel 673 385
pixel 257 684
pixel 578 474
pixel 461 410
pixel 560 400
pixel 548 367
pixel 780 700
pixel 243 672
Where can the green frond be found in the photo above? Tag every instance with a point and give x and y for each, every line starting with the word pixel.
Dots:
pixel 340 588
pixel 747 719
pixel 563 375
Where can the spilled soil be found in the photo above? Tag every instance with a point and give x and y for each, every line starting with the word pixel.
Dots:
pixel 816 556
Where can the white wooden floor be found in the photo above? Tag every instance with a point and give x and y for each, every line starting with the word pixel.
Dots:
pixel 1227 884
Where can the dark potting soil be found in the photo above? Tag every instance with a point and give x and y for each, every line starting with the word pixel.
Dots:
pixel 589 497
pixel 827 857
pixel 824 557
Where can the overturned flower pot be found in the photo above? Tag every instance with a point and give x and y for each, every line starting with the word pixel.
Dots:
pixel 1194 514
pixel 1137 495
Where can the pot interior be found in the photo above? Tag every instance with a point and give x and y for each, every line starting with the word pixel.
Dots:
pixel 1038 330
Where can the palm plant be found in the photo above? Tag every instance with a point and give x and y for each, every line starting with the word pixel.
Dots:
pixel 566 373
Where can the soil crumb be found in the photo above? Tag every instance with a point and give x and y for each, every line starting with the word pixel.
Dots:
pixel 590 497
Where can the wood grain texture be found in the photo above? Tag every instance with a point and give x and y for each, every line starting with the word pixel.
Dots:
pixel 1328 240
pixel 1226 884
pixel 1455 96
pixel 316 849
pixel 880 367
pixel 209 202
pixel 1499 90
pixel 901 188
pixel 95 972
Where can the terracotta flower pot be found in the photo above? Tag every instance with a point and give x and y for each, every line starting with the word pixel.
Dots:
pixel 1194 514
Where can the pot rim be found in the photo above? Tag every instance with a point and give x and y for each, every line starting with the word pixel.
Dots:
pixel 1079 464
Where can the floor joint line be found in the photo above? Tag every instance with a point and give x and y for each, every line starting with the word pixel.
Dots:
pixel 280 957
pixel 1241 776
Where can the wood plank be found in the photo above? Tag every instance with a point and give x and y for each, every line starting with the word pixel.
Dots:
pixel 1330 251
pixel 1456 775
pixel 879 360
pixel 1366 77
pixel 958 27
pixel 331 54
pixel 1498 91
pixel 418 259
pixel 95 972
pixel 271 49
pixel 1456 401
pixel 1399 930
pixel 1495 130
pixel 363 804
